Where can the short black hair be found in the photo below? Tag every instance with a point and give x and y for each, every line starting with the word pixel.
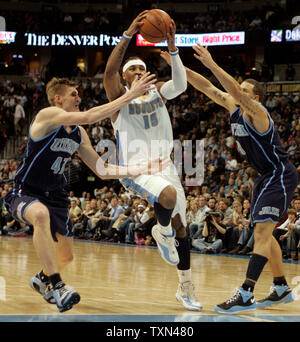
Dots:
pixel 258 88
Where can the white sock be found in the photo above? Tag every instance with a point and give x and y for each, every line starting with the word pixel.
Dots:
pixel 184 275
pixel 166 229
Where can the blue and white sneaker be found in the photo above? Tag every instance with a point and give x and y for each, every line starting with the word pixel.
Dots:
pixel 166 245
pixel 278 295
pixel 186 295
pixel 241 300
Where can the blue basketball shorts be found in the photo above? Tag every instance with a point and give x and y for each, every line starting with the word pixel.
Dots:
pixel 18 201
pixel 273 193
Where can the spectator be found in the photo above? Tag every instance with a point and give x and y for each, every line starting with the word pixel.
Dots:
pixel 106 222
pixel 256 23
pixel 245 240
pixel 290 225
pixel 19 117
pixel 212 202
pixel 71 196
pixel 13 227
pixel 75 212
pixel 231 163
pixel 3 210
pixel 237 219
pixel 89 225
pixel 196 228
pixel 271 102
pixel 80 228
pixel 213 233
pixel 191 215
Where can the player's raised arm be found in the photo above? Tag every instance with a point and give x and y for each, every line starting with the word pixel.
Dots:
pixel 251 106
pixel 205 86
pixel 112 83
pixel 58 116
pixel 178 83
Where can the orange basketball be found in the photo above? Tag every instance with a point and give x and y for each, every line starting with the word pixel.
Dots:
pixel 156 26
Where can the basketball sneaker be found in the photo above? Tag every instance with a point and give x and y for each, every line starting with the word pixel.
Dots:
pixel 186 295
pixel 278 294
pixel 66 297
pixel 241 300
pixel 44 288
pixel 166 245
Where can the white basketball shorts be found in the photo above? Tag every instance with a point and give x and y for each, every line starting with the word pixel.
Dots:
pixel 149 187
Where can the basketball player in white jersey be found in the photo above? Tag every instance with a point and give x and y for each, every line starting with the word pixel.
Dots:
pixel 143 130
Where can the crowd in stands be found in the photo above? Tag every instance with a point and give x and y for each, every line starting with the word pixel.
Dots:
pixel 18 101
pixel 91 20
pixel 110 213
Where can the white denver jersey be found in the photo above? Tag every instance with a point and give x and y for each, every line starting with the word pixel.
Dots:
pixel 143 129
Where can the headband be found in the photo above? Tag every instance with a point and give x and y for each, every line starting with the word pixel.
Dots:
pixel 134 62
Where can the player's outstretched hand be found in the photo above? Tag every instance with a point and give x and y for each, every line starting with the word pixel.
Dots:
pixel 142 84
pixel 203 55
pixel 136 24
pixel 149 168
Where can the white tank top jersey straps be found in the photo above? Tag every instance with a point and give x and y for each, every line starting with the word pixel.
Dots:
pixel 143 131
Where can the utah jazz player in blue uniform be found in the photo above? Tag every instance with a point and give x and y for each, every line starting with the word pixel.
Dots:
pixel 38 197
pixel 273 190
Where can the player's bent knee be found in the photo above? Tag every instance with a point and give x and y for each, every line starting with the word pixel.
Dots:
pixel 40 217
pixel 168 196
pixel 264 230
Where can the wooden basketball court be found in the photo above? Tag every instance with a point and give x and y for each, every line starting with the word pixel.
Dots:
pixel 129 283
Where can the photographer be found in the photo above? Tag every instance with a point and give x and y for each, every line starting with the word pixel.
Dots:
pixel 212 233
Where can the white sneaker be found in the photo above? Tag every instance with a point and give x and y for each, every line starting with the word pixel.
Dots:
pixel 44 288
pixel 186 295
pixel 166 245
pixel 65 297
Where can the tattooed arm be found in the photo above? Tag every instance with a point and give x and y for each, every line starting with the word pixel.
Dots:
pixel 205 86
pixel 251 107
pixel 112 82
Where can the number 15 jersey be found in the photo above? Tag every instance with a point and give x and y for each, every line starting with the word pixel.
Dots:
pixel 143 129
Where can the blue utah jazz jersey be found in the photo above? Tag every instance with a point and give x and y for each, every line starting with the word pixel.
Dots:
pixel 264 152
pixel 45 160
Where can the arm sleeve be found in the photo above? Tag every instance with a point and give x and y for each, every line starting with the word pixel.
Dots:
pixel 178 83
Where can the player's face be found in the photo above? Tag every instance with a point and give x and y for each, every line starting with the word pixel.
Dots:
pixel 132 72
pixel 70 100
pixel 247 88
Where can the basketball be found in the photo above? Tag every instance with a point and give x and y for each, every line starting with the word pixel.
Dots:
pixel 156 26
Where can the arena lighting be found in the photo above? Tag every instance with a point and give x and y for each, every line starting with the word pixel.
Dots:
pixel 206 39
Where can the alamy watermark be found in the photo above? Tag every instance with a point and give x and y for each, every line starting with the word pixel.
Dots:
pixel 187 157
